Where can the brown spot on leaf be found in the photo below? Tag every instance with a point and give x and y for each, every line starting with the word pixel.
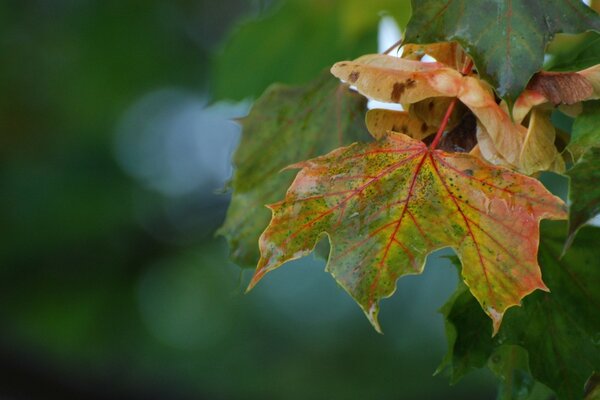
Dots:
pixel 400 87
pixel 561 87
pixel 353 77
pixel 397 91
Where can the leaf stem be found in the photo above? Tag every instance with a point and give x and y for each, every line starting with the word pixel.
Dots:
pixel 438 136
pixel 392 47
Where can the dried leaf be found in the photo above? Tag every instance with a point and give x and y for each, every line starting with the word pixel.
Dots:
pixel 386 205
pixel 539 152
pixel 561 87
pixel 391 79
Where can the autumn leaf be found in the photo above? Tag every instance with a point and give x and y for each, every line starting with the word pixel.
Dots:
pixel 559 330
pixel 505 38
pixel 286 125
pixel 386 205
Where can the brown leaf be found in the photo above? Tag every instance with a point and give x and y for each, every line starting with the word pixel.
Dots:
pixel 561 87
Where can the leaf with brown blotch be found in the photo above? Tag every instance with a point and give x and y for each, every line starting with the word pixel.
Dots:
pixel 391 79
pixel 386 205
pixel 380 121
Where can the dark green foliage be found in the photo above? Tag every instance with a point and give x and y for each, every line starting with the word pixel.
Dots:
pixel 506 39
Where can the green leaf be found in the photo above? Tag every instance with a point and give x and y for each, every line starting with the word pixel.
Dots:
pixel 560 329
pixel 586 130
pixel 386 205
pixel 468 332
pixel 505 38
pixel 286 125
pixel 573 52
pixel 298 40
pixel 584 191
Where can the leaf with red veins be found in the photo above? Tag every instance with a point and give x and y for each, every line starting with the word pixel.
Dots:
pixel 386 205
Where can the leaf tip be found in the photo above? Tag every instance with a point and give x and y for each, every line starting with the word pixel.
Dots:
pixel 258 275
pixel 372 312
pixel 496 317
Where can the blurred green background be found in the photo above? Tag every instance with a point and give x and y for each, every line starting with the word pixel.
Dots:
pixel 115 138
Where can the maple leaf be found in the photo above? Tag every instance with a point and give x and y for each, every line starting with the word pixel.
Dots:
pixel 559 330
pixel 505 38
pixel 386 205
pixel 287 124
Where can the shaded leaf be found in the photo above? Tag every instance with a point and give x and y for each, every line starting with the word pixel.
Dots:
pixel 584 191
pixel 560 329
pixel 286 125
pixel 586 130
pixel 468 333
pixel 433 110
pixel 506 39
pixel 386 205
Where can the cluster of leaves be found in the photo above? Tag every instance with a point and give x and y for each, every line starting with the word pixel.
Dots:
pixel 457 169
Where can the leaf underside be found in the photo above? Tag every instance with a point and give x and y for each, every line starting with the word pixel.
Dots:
pixel 505 38
pixel 286 125
pixel 386 205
